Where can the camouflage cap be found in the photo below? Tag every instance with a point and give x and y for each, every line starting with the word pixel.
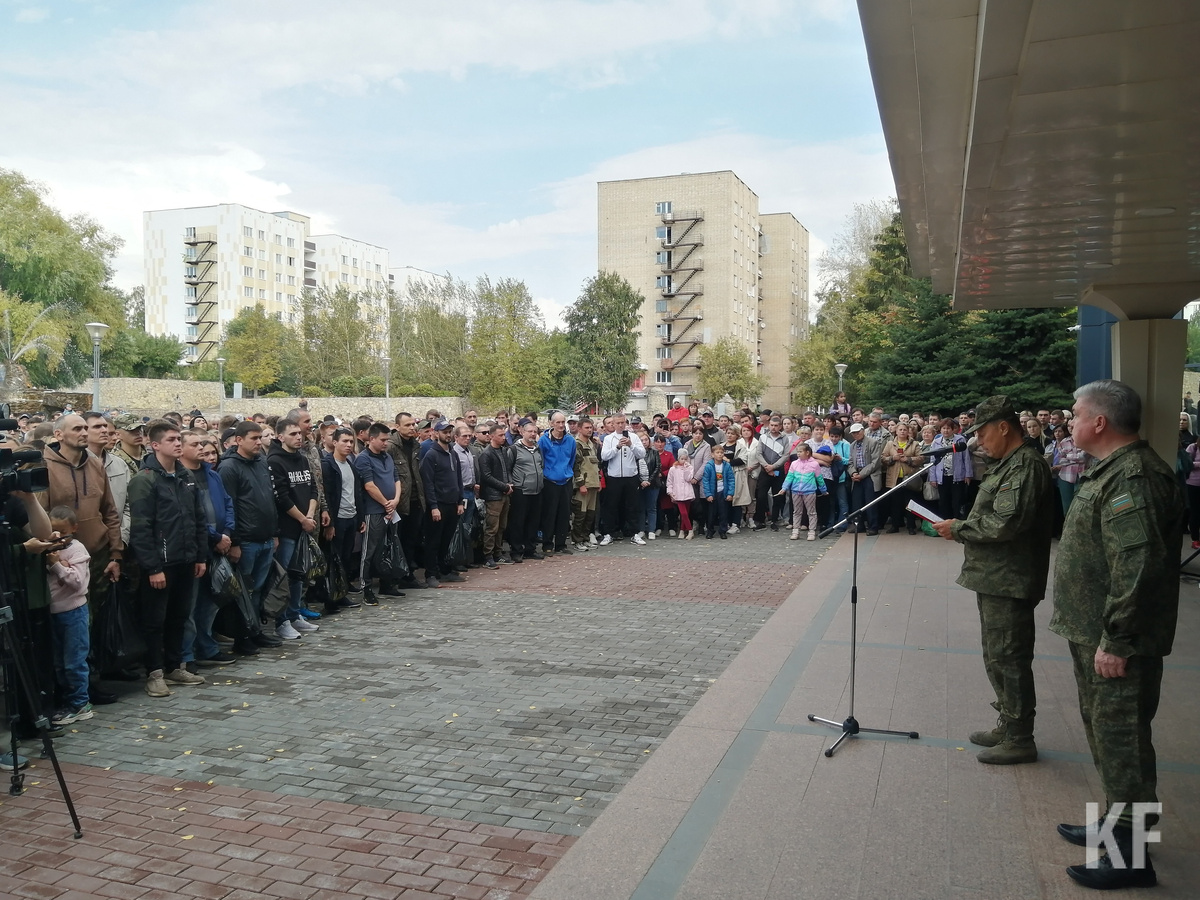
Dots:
pixel 128 422
pixel 993 409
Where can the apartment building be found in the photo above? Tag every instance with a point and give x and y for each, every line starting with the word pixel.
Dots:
pixel 205 264
pixel 710 266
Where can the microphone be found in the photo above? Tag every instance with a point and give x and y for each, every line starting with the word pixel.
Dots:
pixel 939 452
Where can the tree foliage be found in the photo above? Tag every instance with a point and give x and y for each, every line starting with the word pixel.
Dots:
pixel 725 368
pixel 428 332
pixel 254 347
pixel 507 346
pixel 605 319
pixel 27 330
pixel 135 354
pixel 908 349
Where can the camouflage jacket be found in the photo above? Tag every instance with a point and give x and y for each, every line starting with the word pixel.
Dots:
pixel 404 455
pixel 1116 578
pixel 134 465
pixel 1006 538
pixel 587 464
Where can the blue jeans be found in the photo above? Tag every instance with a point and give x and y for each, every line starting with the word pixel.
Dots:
pixel 283 555
pixel 189 626
pixel 650 507
pixel 204 612
pixel 839 502
pixel 254 567
pixel 71 647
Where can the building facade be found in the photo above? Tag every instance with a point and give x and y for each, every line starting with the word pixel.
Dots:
pixel 203 265
pixel 709 266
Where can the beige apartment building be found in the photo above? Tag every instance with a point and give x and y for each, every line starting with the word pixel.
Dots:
pixel 710 266
pixel 203 265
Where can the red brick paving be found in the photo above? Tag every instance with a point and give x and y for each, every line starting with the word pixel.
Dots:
pixel 673 580
pixel 153 838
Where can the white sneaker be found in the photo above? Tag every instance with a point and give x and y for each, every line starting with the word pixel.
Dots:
pixel 637 539
pixel 304 626
pixel 671 532
pixel 592 540
pixel 287 632
pixel 795 534
pixel 682 535
pixel 691 534
pixel 812 535
pixel 582 548
pixel 606 540
pixel 650 536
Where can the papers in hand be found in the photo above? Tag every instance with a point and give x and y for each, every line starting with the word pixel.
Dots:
pixel 918 510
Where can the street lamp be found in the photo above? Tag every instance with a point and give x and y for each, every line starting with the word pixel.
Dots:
pixel 221 376
pixel 840 368
pixel 387 387
pixel 96 330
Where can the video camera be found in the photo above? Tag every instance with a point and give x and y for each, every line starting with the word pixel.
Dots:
pixel 13 475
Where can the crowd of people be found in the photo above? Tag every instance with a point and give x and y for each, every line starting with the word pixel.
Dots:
pixel 154 508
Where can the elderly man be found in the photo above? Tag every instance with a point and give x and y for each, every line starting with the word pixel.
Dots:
pixel 622 452
pixel 1116 599
pixel 1006 558
pixel 558 467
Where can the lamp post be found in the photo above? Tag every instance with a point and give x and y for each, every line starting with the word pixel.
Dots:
pixel 387 387
pixel 840 368
pixel 96 330
pixel 221 376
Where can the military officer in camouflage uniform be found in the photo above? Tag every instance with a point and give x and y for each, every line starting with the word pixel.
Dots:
pixel 1006 561
pixel 1116 599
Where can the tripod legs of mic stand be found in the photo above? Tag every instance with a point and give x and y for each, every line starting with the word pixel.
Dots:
pixel 850 726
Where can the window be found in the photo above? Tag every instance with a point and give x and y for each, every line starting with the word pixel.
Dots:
pixel 378 268
pixel 662 331
pixel 662 208
pixel 262 235
pixel 345 278
pixel 291 242
pixel 248 251
pixel 262 254
pixel 279 238
pixel 279 259
pixel 354 279
pixel 190 231
pixel 291 261
pixel 345 260
pixel 191 253
pixel 189 312
pixel 191 330
pixel 262 294
pixel 262 274
pixel 247 271
pixel 663 352
pixel 660 306
pixel 663 233
pixel 354 262
pixel 189 291
pixel 191 351
pixel 663 282
pixel 291 279
pixel 247 231
pixel 189 272
pixel 279 296
pixel 662 377
pixel 248 292
pixel 663 257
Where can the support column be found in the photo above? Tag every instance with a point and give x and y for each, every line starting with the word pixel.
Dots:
pixel 1149 355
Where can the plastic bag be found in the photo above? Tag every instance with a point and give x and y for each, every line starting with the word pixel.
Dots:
pixel 318 565
pixel 301 560
pixel 460 543
pixel 930 491
pixel 119 639
pixel 927 528
pixel 224 582
pixel 390 562
pixel 278 591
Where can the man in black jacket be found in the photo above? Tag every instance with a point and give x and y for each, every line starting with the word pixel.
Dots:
pixel 168 535
pixel 247 480
pixel 296 501
pixel 495 480
pixel 442 481
pixel 347 501
pixel 403 447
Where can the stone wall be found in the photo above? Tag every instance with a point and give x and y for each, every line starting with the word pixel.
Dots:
pixel 153 397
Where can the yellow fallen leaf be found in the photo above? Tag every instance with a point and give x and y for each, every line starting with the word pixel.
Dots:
pixel 533 707
pixel 187 837
pixel 177 789
pixel 187 752
pixel 244 705
pixel 455 715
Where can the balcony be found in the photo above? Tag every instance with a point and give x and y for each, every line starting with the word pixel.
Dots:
pixel 684 265
pixel 678 290
pixel 683 215
pixel 310 247
pixel 310 264
pixel 666 364
pixel 687 239
pixel 204 237
pixel 310 282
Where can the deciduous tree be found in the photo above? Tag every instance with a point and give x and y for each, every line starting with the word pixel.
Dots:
pixel 601 340
pixel 725 369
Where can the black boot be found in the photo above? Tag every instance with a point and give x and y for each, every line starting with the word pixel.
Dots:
pixel 1104 874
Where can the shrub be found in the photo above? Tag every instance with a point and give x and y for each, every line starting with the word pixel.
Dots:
pixel 424 389
pixel 312 390
pixel 344 386
pixel 404 390
pixel 277 394
pixel 370 386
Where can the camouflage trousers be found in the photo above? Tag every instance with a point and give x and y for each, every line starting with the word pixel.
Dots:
pixel 1117 715
pixel 1007 636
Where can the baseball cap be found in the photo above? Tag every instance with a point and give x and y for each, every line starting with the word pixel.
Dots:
pixel 636 420
pixel 440 425
pixel 706 412
pixel 423 424
pixel 993 409
pixel 856 428
pixel 572 418
pixel 128 422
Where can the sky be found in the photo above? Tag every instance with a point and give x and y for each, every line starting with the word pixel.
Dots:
pixel 465 137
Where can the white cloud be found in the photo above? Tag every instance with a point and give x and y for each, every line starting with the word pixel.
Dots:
pixel 31 14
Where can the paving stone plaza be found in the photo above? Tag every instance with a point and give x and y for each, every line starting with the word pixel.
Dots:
pixel 510 708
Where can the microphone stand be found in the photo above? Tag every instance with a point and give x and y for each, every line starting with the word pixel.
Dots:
pixel 850 726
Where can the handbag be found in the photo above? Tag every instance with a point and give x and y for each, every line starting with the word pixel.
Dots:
pixel 930 491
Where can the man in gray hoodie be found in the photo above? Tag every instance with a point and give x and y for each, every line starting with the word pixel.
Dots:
pixel 528 478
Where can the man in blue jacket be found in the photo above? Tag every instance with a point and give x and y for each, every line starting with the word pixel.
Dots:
pixel 558 468
pixel 442 479
pixel 198 642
